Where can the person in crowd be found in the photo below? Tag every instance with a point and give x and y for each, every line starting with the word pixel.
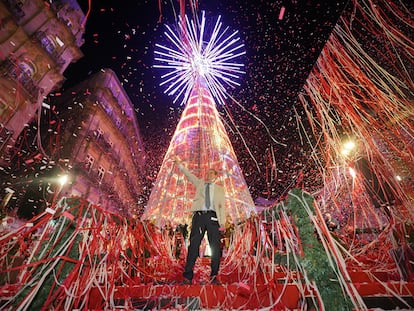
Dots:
pixel 229 226
pixel 331 222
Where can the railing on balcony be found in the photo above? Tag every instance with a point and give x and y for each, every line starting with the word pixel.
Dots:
pixel 11 69
pixel 49 47
pixel 15 6
pixel 107 188
pixel 105 146
pixel 93 176
pixel 123 129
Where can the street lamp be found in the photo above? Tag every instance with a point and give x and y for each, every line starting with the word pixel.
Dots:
pixel 348 147
pixel 62 180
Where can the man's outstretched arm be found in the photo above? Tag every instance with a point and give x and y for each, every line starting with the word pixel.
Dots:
pixel 191 177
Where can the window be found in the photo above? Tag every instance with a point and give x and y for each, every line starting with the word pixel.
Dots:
pixel 68 22
pixel 99 133
pixel 101 173
pixel 59 41
pixel 107 109
pixel 27 68
pixel 3 106
pixel 20 3
pixel 89 162
pixel 48 43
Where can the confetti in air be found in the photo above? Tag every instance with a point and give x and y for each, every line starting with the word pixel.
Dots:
pixel 195 54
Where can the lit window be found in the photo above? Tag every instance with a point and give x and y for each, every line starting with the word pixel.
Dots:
pixel 27 68
pixel 59 41
pixel 48 44
pixel 99 133
pixel 89 162
pixel 101 173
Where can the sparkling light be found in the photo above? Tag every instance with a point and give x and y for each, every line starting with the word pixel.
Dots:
pixel 348 147
pixel 199 57
pixel 63 179
pixel 352 172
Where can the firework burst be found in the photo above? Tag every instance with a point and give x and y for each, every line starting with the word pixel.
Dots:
pixel 196 56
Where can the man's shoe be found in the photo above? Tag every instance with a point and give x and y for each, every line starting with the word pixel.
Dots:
pixel 214 280
pixel 187 282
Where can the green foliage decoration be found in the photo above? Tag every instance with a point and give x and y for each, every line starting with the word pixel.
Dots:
pixel 315 261
pixel 52 248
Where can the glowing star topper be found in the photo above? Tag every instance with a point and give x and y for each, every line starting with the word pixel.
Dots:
pixel 196 56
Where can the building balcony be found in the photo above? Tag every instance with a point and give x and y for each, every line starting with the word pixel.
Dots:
pixel 49 47
pixel 15 7
pixel 104 145
pixel 105 187
pixel 9 68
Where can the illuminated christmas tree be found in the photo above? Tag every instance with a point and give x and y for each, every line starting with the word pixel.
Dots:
pixel 198 71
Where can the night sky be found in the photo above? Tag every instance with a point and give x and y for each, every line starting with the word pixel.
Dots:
pixel 279 56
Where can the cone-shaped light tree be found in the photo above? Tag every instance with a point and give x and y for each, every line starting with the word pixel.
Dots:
pixel 198 70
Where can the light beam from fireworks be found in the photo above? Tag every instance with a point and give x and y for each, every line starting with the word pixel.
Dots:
pixel 196 56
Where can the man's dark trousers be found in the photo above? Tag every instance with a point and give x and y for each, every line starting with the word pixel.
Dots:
pixel 201 223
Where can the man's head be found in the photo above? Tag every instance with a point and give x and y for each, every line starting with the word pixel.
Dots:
pixel 211 175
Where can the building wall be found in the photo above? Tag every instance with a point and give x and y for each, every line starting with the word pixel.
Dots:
pixel 37 43
pixel 101 125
